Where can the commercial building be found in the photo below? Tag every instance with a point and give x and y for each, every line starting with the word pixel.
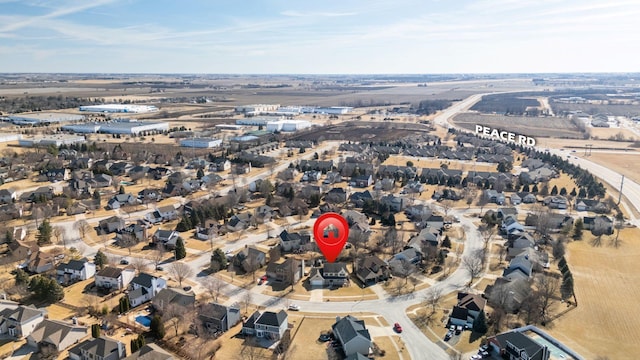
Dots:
pixel 201 142
pixel 256 109
pixel 287 125
pixel 257 121
pixel 231 127
pixel 121 126
pixel 119 108
pixel 55 140
pixel 333 110
pixel 43 118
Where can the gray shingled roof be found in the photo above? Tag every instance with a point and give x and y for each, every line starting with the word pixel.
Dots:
pixel 272 319
pixel 349 327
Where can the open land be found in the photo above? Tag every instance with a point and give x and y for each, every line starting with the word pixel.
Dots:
pixel 530 126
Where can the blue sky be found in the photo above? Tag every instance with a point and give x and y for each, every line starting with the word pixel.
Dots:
pixel 323 36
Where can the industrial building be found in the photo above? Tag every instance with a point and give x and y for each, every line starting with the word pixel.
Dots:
pixel 48 140
pixel 43 118
pixel 231 127
pixel 121 126
pixel 119 108
pixel 256 109
pixel 287 125
pixel 201 142
pixel 333 110
pixel 257 121
pixel 9 137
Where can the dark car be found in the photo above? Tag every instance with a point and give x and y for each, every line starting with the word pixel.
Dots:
pixel 397 327
pixel 324 337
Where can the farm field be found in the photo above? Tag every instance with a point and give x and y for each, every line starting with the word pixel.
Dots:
pixel 530 126
pixel 624 164
pixel 602 324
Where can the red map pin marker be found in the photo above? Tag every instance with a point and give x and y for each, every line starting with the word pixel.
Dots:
pixel 331 232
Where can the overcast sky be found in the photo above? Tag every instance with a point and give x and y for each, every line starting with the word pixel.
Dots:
pixel 319 36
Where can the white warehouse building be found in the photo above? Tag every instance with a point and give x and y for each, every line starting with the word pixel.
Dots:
pixel 288 125
pixel 200 142
pixel 122 126
pixel 55 140
pixel 43 118
pixel 256 109
pixel 333 110
pixel 257 121
pixel 119 108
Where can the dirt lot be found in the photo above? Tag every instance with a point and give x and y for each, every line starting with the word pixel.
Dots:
pixel 362 131
pixel 622 163
pixel 605 322
pixel 531 126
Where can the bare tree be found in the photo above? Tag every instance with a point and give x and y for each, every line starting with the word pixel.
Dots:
pixel 247 297
pixel 83 227
pixel 180 271
pixel 59 232
pixel 432 298
pixel 173 314
pixel 139 264
pixel 157 255
pixel 213 286
pixel 472 265
pixel 546 288
pixel 446 207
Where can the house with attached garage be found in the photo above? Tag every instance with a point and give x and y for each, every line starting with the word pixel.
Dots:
pixel 353 336
pixel 286 272
pixel 515 345
pixel 293 241
pixel 591 205
pixel 121 200
pixel 7 196
pixel 329 275
pixel 599 225
pixel 371 270
pixel 102 348
pixel 75 270
pixel 167 238
pixel 56 335
pixel 114 278
pixel 18 320
pixel 145 287
pixel 467 309
pixel 173 297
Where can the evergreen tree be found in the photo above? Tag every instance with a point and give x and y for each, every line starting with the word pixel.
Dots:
pixel 446 242
pixel 157 327
pixel 121 191
pixel 137 343
pixel 200 174
pixel 46 289
pixel 480 323
pixel 577 229
pixel 100 260
pixel 525 188
pixel 181 252
pixel 554 190
pixel 22 278
pixel 95 331
pixel 218 260
pixel 573 192
pixel 8 237
pixel 535 189
pixel 44 233
pixel 96 197
pixel 582 193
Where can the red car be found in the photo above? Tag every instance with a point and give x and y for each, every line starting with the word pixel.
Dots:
pixel 263 280
pixel 397 328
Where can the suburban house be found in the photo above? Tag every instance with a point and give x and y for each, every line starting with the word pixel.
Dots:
pixel 249 259
pixel 361 181
pixel 556 202
pixel 150 352
pixel 168 238
pixel 538 175
pixel 239 222
pixel 311 176
pixel 173 296
pixel 515 345
pixel 336 196
pixel 372 270
pixel 167 213
pixel 287 272
pixel 359 198
pixel 467 310
pixel 352 334
pixel 216 317
pixel 599 225
pixel 111 224
pixel 590 205
pixel 395 203
pixel 144 287
pixel 19 320
pixel 114 278
pixel 55 334
pixel 7 196
pixel 520 263
pixel 100 181
pixel 329 275
pixel 75 270
pixel 268 325
pixel 40 262
pixel 220 165
pixel 102 348
pixel 293 241
pixel 149 195
pixel 121 200
pixel 55 175
pixel 494 196
pixel 131 234
pixel 264 214
pixel 510 225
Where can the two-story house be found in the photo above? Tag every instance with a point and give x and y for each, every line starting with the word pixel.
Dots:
pixel 55 334
pixel 19 320
pixel 293 241
pixel 216 317
pixel 467 309
pixel 102 348
pixel 168 238
pixel 329 275
pixel 145 287
pixel 353 336
pixel 114 278
pixel 268 325
pixel 75 270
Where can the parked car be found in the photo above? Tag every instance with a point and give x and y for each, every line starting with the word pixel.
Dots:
pixel 294 307
pixel 324 337
pixel 397 328
pixel 448 335
pixel 124 261
pixel 159 268
pixel 262 280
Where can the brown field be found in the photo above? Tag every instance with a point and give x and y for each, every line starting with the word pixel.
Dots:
pixel 362 131
pixel 624 164
pixel 531 126
pixel 435 163
pixel 605 323
pixel 606 133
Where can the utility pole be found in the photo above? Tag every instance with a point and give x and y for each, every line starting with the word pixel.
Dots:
pixel 620 192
